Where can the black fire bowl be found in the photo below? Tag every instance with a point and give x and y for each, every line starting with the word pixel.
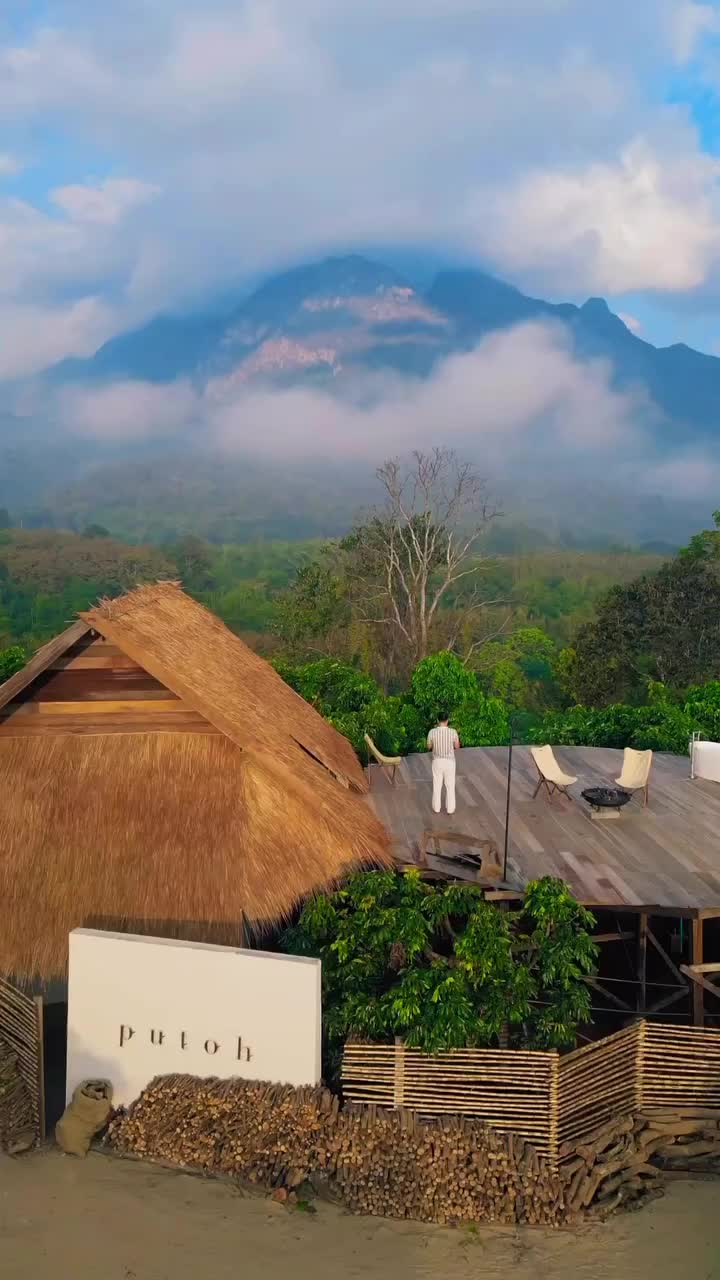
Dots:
pixel 606 797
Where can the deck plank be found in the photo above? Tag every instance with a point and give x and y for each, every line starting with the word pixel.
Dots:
pixel 666 855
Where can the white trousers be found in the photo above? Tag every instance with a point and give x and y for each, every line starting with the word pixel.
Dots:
pixel 443 771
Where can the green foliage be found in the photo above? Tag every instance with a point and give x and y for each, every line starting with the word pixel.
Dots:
pixel 12 659
pixel 441 682
pixel 481 721
pixel 334 687
pixel 443 968
pixel 519 669
pixel 661 627
pixel 659 727
pixel 702 705
pixel 314 606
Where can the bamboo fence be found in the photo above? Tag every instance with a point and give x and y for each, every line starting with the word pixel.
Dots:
pixel 511 1090
pixel 599 1082
pixel 553 1101
pixel 21 1029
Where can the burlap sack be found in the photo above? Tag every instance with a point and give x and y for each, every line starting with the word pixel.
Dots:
pixel 85 1116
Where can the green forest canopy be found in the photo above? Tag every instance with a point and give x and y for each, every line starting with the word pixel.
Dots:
pixel 580 647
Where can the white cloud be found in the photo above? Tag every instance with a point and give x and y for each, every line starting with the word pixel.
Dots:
pixel 128 410
pixel 253 132
pixel 649 221
pixel 689 22
pixel 9 165
pixel 477 401
pixel 33 336
pixel 103 202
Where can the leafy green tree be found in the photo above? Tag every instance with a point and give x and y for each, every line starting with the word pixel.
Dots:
pixel 312 609
pixel 661 726
pixel 443 968
pixel 705 546
pixel 11 660
pixel 519 669
pixel 663 626
pixel 441 682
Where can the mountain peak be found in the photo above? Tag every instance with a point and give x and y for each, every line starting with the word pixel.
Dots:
pixel 596 306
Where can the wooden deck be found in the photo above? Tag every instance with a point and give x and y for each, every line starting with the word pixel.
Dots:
pixel 667 855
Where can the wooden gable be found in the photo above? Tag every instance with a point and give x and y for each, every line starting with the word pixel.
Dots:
pixel 92 687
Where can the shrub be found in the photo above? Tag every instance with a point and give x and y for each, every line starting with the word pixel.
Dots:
pixel 443 968
pixel 441 682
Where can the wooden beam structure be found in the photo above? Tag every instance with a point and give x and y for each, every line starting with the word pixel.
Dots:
pixel 698 989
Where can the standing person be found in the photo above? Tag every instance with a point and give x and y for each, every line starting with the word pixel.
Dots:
pixel 443 742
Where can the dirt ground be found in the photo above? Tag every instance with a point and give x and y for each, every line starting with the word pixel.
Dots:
pixel 110 1219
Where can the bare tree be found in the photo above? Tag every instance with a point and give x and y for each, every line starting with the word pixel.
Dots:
pixel 422 549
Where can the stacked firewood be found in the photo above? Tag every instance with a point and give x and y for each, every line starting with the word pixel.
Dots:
pixel 622 1161
pixel 609 1167
pixel 392 1164
pixel 684 1140
pixel 17 1125
pixel 376 1162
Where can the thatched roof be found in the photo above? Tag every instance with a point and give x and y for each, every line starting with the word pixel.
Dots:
pixel 191 651
pixel 171 833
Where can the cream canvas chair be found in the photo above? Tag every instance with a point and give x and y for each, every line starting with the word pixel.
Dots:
pixel 635 774
pixel 389 764
pixel 551 775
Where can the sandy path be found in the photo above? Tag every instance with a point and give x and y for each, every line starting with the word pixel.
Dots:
pixel 108 1219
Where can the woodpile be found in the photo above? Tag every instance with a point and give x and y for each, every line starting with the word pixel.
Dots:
pixel 609 1167
pixel 17 1123
pixel 378 1162
pixel 393 1164
pixel 686 1139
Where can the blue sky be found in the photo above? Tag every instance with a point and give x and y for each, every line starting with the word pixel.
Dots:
pixel 154 152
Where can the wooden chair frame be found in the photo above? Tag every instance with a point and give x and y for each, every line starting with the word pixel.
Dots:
pixel 550 787
pixel 388 764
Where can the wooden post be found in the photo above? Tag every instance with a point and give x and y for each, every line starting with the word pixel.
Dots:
pixel 640 1066
pixel 553 1139
pixel 698 993
pixel 399 1082
pixel 642 961
pixel 39 1014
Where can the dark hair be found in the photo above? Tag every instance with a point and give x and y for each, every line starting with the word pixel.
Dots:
pixel 442 717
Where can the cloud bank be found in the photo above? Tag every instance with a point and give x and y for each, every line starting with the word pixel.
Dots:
pixel 170 147
pixel 560 408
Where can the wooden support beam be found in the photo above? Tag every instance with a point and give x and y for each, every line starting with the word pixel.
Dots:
pixel 698 988
pixel 700 980
pixel 668 1000
pixel 661 951
pixel 609 995
pixel 625 936
pixel 642 960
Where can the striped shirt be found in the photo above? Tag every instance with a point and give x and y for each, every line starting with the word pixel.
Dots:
pixel 442 741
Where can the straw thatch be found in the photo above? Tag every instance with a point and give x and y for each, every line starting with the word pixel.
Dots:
pixel 191 651
pixel 176 834
pixel 156 833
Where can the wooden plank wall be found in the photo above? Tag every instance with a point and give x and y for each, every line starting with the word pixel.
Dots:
pixel 681 1068
pixel 599 1082
pixel 511 1090
pixel 94 688
pixel 552 1101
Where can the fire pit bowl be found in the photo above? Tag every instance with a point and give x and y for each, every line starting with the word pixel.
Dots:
pixel 606 802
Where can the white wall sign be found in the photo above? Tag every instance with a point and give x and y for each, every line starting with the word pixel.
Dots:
pixel 141 1007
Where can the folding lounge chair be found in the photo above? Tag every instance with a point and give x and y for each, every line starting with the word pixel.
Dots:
pixel 388 764
pixel 635 774
pixel 551 777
